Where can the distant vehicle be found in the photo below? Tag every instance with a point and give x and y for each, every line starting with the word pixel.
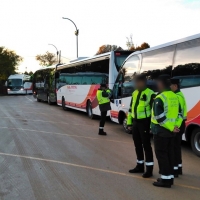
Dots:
pixel 80 80
pixel 19 84
pixel 180 59
pixel 44 84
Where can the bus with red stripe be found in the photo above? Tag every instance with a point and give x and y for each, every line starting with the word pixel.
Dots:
pixel 179 59
pixel 79 81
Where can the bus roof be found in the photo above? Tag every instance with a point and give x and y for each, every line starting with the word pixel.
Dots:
pixel 19 76
pixel 50 67
pixel 165 45
pixel 89 60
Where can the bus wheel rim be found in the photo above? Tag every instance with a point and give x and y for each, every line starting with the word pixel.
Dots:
pixel 197 141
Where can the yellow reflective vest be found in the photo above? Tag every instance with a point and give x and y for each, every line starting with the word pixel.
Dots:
pixel 183 108
pixel 101 99
pixel 143 108
pixel 168 118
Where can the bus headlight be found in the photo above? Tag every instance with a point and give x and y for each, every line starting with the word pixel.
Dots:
pixel 8 89
pixel 22 88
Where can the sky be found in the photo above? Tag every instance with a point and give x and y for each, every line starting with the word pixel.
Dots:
pixel 28 26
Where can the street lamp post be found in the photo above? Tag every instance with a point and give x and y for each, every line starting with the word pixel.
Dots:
pixel 57 52
pixel 76 33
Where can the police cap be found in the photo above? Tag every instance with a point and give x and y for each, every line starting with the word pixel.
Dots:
pixel 175 81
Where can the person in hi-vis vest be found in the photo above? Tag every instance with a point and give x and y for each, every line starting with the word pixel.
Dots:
pixel 163 125
pixel 103 97
pixel 139 118
pixel 175 87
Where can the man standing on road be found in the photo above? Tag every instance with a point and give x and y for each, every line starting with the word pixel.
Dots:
pixel 139 118
pixel 103 97
pixel 164 115
pixel 175 87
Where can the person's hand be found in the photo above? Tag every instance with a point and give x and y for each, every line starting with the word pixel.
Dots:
pixel 129 128
pixel 176 129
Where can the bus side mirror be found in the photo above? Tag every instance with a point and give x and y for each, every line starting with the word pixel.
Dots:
pixel 6 83
pixel 57 75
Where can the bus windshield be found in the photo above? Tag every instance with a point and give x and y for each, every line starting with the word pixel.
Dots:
pixel 15 82
pixel 120 58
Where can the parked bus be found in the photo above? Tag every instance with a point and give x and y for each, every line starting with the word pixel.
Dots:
pixel 44 84
pixel 180 59
pixel 80 80
pixel 19 84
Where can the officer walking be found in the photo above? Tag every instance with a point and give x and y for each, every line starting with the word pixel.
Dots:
pixel 139 118
pixel 103 95
pixel 164 115
pixel 175 87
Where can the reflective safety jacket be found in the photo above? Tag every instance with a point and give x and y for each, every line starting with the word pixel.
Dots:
pixel 103 96
pixel 183 108
pixel 140 107
pixel 167 114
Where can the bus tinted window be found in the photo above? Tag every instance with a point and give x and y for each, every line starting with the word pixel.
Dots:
pixel 189 81
pixel 97 79
pixel 68 79
pixel 101 66
pixel 76 80
pixel 158 62
pixel 86 80
pixel 187 58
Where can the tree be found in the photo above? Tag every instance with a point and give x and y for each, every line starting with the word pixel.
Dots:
pixel 9 61
pixel 132 47
pixel 46 59
pixel 108 48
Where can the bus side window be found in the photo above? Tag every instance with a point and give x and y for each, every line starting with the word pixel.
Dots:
pixel 187 59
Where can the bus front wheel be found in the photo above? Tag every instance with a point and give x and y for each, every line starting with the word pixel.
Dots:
pixel 89 110
pixel 195 141
pixel 125 126
pixel 48 100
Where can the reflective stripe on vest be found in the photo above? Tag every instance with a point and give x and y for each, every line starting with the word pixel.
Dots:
pixel 182 101
pixel 100 98
pixel 144 107
pixel 171 106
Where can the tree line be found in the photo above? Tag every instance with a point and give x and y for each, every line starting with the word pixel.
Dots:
pixel 9 60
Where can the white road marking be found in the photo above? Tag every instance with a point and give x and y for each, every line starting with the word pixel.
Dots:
pixel 90 168
pixel 68 135
pixel 29 99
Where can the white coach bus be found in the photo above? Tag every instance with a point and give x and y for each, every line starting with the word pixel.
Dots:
pixel 180 59
pixel 80 80
pixel 19 84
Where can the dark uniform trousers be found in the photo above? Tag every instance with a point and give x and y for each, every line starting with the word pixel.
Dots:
pixel 142 139
pixel 164 150
pixel 177 146
pixel 103 119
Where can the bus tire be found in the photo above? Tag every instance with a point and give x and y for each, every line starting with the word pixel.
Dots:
pixel 89 110
pixel 195 141
pixel 125 127
pixel 48 100
pixel 38 100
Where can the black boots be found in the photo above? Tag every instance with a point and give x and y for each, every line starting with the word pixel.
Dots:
pixel 180 171
pixel 138 169
pixel 176 173
pixel 101 132
pixel 166 183
pixel 149 172
pixel 172 180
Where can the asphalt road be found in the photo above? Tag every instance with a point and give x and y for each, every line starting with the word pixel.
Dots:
pixel 50 154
